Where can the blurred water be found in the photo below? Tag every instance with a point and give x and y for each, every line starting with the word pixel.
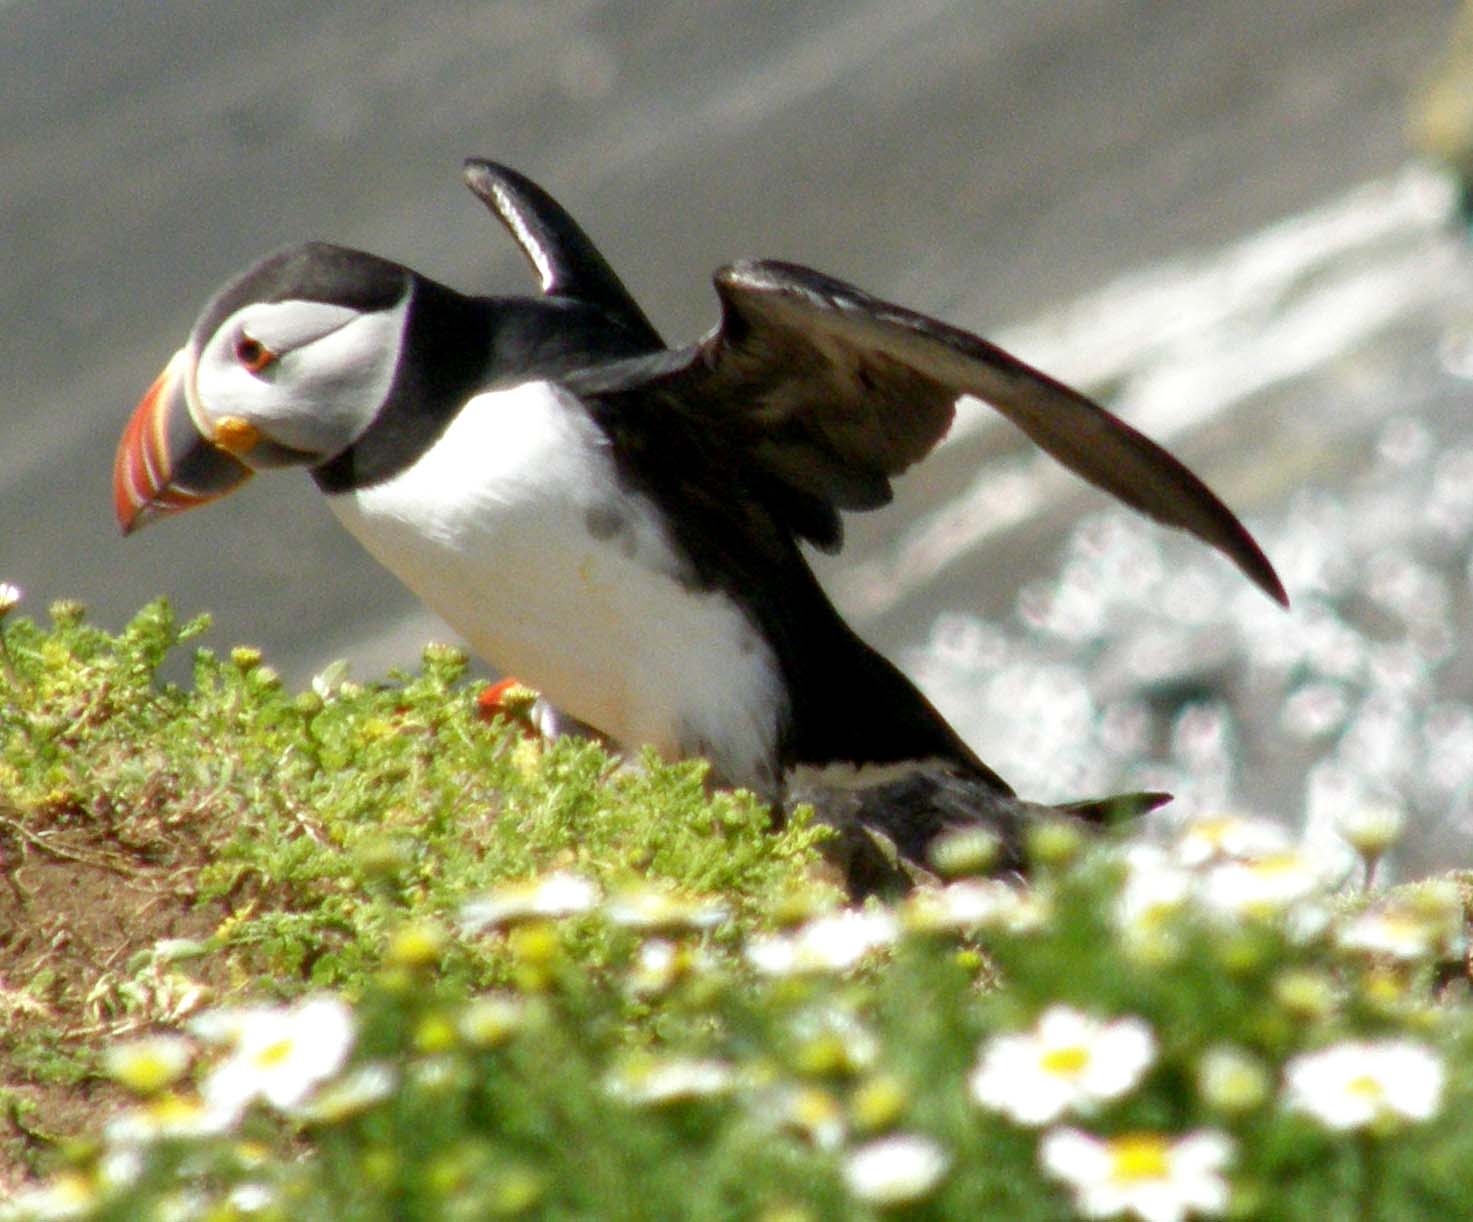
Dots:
pixel 1144 661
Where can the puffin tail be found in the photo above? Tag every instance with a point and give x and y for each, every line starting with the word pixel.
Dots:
pixel 887 828
pixel 1114 811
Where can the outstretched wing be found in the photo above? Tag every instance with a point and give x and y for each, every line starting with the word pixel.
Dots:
pixel 831 392
pixel 564 259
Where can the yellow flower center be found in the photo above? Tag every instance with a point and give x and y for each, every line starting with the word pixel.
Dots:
pixel 814 1108
pixel 145 1072
pixel 1139 1156
pixel 1213 830
pixel 1066 1062
pixel 1365 1087
pixel 274 1054
pixel 1277 865
pixel 174 1109
pixel 71 1188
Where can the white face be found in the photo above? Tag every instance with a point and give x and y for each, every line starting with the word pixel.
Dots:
pixel 307 375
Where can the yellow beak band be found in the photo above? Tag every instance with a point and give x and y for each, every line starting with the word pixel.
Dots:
pixel 235 435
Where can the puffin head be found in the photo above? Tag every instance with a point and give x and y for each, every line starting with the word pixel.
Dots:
pixel 286 366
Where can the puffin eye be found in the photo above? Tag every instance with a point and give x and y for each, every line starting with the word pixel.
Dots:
pixel 252 354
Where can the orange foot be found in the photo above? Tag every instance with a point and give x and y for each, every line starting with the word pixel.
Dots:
pixel 509 698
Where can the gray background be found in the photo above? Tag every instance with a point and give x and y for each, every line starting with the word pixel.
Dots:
pixel 977 160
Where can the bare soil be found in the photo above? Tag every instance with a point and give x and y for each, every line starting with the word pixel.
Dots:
pixel 80 917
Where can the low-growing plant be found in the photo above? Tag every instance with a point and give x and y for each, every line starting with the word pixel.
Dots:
pixel 170 846
pixel 1219 1024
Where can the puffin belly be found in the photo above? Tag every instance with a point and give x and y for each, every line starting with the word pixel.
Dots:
pixel 515 529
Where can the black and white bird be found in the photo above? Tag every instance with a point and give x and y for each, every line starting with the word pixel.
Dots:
pixel 618 523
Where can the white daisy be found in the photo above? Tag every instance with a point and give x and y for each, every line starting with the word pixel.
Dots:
pixel 1212 838
pixel 355 1092
pixel 895 1169
pixel 327 682
pixel 1391 930
pixel 1421 921
pixel 651 909
pixel 491 1020
pixel 1355 1084
pixel 119 1167
pixel 835 942
pixel 1232 1080
pixel 280 1055
pixel 832 1039
pixel 68 1195
pixel 809 1110
pixel 669 1079
pixel 1371 828
pixel 250 1198
pixel 1156 890
pixel 1031 911
pixel 148 1065
pixel 559 894
pixel 1147 1175
pixel 1070 1061
pixel 181 1205
pixel 168 1117
pixel 969 903
pixel 657 965
pixel 1263 888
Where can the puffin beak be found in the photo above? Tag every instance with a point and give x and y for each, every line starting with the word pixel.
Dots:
pixel 165 464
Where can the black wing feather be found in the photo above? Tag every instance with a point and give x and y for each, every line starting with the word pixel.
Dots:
pixel 832 392
pixel 563 257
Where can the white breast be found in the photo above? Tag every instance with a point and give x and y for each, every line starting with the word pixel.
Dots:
pixel 513 528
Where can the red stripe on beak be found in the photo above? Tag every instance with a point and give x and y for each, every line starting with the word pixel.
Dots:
pixel 164 463
pixel 134 487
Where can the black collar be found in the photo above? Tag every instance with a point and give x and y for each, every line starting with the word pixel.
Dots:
pixel 453 348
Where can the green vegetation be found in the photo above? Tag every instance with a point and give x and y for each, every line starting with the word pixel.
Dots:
pixel 358 952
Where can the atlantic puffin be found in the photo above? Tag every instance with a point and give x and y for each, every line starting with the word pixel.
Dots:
pixel 621 524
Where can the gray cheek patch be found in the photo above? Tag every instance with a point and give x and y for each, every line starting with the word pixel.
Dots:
pixel 604 521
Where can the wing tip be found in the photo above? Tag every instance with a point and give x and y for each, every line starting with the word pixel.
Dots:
pixel 1274 588
pixel 484 176
pixel 1255 565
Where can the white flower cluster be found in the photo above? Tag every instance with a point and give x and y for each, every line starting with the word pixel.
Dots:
pixel 1070 1075
pixel 566 893
pixel 1240 869
pixel 288 1057
pixel 1073 1064
pixel 1234 868
pixel 834 942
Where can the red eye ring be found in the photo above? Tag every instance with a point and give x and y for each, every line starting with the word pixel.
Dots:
pixel 252 354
